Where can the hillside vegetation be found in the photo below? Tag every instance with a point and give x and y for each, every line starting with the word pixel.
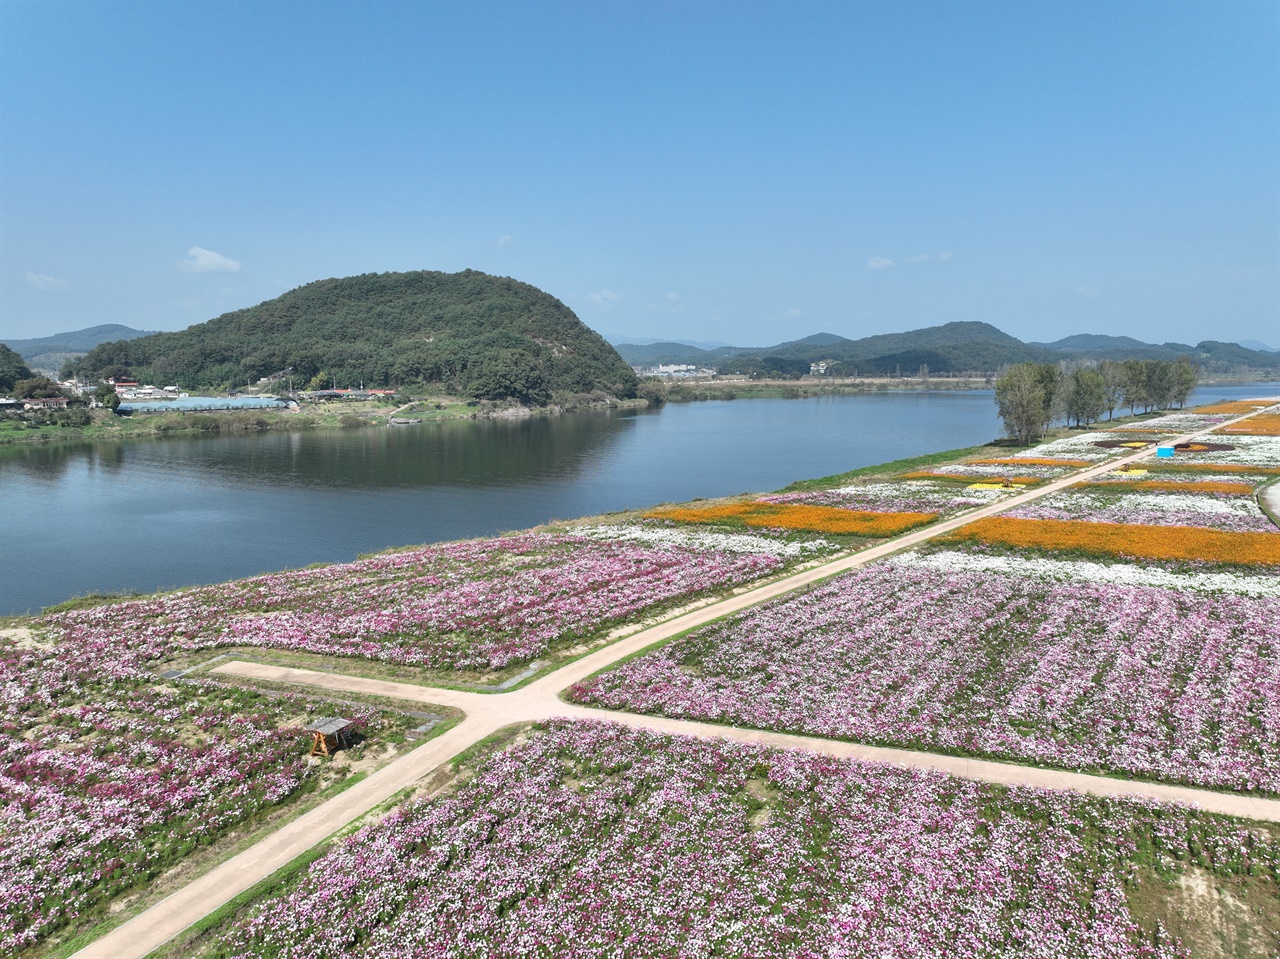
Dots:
pixel 486 336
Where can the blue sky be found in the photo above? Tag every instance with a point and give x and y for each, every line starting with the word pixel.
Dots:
pixel 738 172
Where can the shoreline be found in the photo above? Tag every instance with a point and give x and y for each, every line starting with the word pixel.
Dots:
pixel 339 415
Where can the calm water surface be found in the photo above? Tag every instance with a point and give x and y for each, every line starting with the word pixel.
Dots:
pixel 150 514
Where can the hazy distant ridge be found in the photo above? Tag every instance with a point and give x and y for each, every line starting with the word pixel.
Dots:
pixel 75 341
pixel 962 347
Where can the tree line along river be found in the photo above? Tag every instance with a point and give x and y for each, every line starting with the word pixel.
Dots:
pixel 152 514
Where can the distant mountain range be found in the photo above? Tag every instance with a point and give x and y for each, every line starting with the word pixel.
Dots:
pixel 968 347
pixel 1258 345
pixel 50 352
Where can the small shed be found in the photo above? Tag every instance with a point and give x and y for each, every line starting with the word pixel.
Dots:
pixel 330 733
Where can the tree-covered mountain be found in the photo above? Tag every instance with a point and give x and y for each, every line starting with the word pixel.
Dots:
pixel 968 347
pixel 951 348
pixel 653 354
pixel 489 336
pixel 1211 354
pixel 50 352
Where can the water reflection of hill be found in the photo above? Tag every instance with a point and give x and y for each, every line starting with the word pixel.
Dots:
pixel 472 453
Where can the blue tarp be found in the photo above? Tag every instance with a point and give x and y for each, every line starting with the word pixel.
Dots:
pixel 202 404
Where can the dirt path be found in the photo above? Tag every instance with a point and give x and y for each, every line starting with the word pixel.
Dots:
pixel 537 702
pixel 1269 499
pixel 486 713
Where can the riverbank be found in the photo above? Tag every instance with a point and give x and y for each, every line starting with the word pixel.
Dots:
pixel 338 415
pixel 740 388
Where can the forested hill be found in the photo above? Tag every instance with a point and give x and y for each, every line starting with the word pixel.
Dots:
pixel 488 336
pixel 964 347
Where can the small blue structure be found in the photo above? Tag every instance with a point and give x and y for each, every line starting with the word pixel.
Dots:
pixel 204 404
pixel 1164 452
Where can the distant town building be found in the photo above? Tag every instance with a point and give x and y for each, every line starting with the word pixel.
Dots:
pixel 45 403
pixel 122 384
pixel 673 370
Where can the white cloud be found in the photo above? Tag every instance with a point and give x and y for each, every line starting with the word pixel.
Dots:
pixel 1087 292
pixel 605 297
pixel 42 282
pixel 200 260
pixel 917 259
pixel 879 263
pixel 946 257
pixel 505 240
pixel 793 313
pixel 670 303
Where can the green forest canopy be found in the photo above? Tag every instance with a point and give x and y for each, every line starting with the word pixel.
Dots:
pixel 487 336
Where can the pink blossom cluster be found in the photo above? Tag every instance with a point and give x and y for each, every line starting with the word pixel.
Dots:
pixel 480 604
pixel 107 777
pixel 590 840
pixel 1133 679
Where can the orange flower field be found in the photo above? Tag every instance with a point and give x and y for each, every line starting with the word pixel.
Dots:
pixel 798 516
pixel 1238 407
pixel 1264 424
pixel 1031 461
pixel 1176 486
pixel 1123 539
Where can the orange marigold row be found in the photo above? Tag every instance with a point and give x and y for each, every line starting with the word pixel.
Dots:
pixel 1030 461
pixel 1124 539
pixel 1264 424
pixel 1217 468
pixel 1234 406
pixel 1179 486
pixel 798 516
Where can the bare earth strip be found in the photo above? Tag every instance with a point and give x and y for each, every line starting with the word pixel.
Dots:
pixel 487 713
pixel 531 705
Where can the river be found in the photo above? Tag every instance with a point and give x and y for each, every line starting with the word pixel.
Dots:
pixel 152 514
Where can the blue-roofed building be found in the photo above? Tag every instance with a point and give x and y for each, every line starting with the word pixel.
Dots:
pixel 204 404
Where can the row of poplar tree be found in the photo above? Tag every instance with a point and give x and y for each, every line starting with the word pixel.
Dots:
pixel 1033 396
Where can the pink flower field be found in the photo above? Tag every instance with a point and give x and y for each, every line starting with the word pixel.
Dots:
pixel 480 604
pixel 1147 681
pixel 592 840
pixel 109 775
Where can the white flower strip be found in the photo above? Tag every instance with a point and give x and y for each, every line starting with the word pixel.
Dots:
pixel 1114 574
pixel 705 540
pixel 1154 473
pixel 909 496
pixel 1001 469
pixel 1075 448
pixel 1249 451
pixel 1179 422
pixel 1077 500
